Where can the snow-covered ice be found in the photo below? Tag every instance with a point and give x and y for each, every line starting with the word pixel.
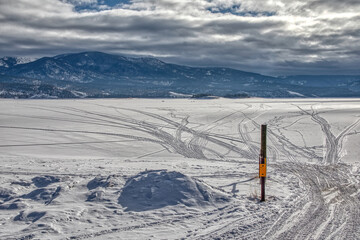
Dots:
pixel 179 169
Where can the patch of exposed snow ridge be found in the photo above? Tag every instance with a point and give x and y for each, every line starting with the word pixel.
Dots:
pixel 23 60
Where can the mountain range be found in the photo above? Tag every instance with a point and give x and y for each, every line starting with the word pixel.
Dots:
pixel 96 74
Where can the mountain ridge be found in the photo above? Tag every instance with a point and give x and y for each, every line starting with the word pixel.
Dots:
pixel 97 74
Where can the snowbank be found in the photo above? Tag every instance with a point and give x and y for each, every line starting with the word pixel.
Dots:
pixel 160 188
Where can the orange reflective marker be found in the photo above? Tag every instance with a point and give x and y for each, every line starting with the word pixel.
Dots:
pixel 262 170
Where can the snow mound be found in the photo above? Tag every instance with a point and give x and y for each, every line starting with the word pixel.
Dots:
pixel 103 182
pixel 43 181
pixel 16 204
pixel 45 195
pixel 96 196
pixel 29 216
pixel 157 189
pixel 6 194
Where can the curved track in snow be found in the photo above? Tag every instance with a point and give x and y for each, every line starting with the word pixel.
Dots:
pixel 329 206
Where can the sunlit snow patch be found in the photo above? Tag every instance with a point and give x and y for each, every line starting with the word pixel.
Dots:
pixel 179 95
pixel 296 94
pixel 156 189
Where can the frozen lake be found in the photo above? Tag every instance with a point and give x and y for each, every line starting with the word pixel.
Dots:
pixel 179 169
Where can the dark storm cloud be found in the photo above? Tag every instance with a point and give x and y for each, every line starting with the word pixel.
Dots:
pixel 316 35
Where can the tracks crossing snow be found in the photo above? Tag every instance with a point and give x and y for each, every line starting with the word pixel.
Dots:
pixel 325 206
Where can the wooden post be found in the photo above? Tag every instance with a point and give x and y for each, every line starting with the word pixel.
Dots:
pixel 262 162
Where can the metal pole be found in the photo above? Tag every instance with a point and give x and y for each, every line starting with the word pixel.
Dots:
pixel 262 162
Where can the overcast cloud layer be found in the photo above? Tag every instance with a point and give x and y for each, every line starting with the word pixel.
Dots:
pixel 276 37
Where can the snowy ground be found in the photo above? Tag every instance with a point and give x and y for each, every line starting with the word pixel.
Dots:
pixel 178 169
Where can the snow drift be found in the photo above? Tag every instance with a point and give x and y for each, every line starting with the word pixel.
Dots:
pixel 160 188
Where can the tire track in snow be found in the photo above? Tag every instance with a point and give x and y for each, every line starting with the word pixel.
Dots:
pixel 329 206
pixel 333 143
pixel 316 216
pixel 319 217
pixel 204 217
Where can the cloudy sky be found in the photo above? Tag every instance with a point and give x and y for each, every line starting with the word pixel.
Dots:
pixel 274 37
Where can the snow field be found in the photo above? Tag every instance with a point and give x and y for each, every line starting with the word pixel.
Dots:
pixel 178 169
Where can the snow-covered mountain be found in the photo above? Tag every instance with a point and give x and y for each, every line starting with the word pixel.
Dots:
pixel 97 74
pixel 13 61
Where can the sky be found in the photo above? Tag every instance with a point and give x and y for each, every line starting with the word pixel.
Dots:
pixel 272 37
